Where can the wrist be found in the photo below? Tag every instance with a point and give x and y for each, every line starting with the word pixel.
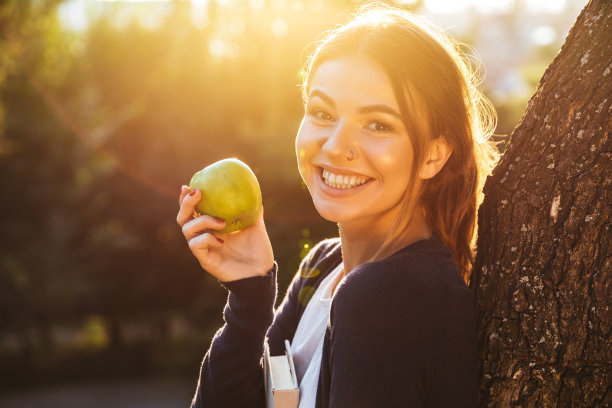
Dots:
pixel 251 300
pixel 250 278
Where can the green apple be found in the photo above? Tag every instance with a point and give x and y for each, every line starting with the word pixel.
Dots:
pixel 230 191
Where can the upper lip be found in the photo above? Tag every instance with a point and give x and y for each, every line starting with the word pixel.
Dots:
pixel 339 171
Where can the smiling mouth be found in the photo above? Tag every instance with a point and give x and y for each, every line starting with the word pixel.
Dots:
pixel 342 182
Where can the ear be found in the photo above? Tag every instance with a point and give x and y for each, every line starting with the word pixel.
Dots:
pixel 437 155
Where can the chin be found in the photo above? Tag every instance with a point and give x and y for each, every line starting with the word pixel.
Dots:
pixel 336 215
pixel 331 218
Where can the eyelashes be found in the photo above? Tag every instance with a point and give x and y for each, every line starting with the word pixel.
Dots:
pixel 320 114
pixel 379 126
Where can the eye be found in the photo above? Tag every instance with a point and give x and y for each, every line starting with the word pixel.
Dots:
pixel 320 114
pixel 379 126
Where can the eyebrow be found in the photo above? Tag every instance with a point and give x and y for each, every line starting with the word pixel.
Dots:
pixel 364 109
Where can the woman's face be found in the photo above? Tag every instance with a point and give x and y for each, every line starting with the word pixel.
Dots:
pixel 352 113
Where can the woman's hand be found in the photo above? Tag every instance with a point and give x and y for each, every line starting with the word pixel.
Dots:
pixel 226 256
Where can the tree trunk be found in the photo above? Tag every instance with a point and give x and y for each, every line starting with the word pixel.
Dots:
pixel 542 271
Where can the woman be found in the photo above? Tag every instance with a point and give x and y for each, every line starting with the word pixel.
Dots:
pixel 392 149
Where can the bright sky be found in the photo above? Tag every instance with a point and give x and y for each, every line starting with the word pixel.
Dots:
pixel 494 6
pixel 74 13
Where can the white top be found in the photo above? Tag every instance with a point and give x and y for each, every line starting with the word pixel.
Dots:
pixel 307 344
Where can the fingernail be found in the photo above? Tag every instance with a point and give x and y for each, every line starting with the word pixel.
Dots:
pixel 220 240
pixel 193 192
pixel 220 220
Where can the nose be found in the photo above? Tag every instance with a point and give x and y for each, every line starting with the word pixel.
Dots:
pixel 340 141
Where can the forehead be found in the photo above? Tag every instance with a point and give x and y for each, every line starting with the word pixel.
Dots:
pixel 353 79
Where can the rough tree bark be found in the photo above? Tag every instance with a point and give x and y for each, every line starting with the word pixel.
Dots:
pixel 542 272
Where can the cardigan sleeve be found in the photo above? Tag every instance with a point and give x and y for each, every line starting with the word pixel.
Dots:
pixel 396 342
pixel 286 318
pixel 231 373
pixel 232 370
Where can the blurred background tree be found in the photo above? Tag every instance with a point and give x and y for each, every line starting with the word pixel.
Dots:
pixel 108 107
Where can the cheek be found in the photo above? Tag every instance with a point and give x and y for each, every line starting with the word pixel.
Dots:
pixel 300 148
pixel 394 165
pixel 303 148
pixel 308 134
pixel 392 156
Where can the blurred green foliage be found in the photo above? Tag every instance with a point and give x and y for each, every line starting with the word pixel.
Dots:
pixel 99 130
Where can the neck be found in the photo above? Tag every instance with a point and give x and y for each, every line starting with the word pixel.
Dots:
pixel 361 243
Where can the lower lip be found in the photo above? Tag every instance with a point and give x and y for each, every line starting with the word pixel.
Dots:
pixel 339 192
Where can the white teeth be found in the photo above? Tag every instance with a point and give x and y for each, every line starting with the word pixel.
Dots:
pixel 342 182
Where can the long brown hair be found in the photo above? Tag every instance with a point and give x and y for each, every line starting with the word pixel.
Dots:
pixel 437 93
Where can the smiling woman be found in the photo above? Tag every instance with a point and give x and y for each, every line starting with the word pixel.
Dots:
pixel 392 148
pixel 354 131
pixel 420 93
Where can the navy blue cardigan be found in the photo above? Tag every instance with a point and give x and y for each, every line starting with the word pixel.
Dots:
pixel 401 333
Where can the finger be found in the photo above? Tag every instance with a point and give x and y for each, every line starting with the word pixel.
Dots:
pixel 204 242
pixel 200 224
pixel 184 192
pixel 188 206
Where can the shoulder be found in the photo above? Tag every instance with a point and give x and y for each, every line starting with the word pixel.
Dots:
pixel 411 314
pixel 421 276
pixel 324 248
pixel 324 255
pixel 316 265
